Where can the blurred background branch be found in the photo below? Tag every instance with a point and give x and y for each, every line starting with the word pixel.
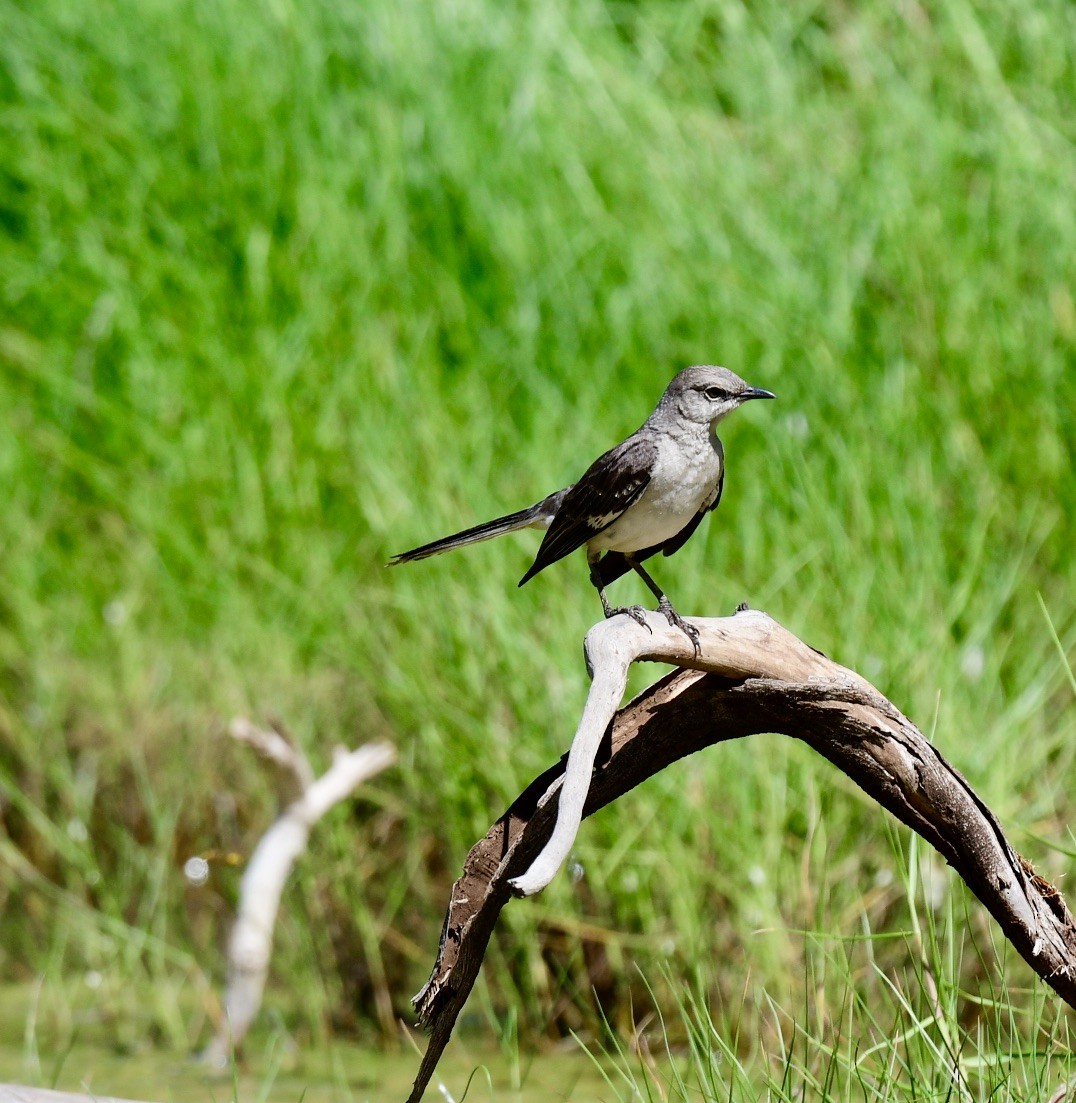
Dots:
pixel 305 800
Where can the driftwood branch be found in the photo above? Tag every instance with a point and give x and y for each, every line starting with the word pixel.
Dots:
pixel 750 676
pixel 305 799
pixel 18 1093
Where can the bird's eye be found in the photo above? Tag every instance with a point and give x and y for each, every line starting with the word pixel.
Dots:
pixel 714 393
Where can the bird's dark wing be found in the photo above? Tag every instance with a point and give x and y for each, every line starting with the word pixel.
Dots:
pixel 607 488
pixel 614 564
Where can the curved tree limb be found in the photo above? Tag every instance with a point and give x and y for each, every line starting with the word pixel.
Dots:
pixel 750 676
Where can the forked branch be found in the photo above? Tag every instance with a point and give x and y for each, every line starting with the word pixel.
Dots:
pixel 304 799
pixel 750 676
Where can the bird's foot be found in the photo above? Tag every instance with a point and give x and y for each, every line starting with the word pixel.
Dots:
pixel 636 612
pixel 677 621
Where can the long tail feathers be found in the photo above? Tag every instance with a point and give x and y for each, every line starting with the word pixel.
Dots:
pixel 538 516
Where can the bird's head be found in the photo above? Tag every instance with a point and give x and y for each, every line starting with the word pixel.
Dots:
pixel 707 394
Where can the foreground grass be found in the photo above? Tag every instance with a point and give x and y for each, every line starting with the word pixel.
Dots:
pixel 866 1031
pixel 873 1024
pixel 284 290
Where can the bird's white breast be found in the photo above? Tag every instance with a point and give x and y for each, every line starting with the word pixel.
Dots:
pixel 684 480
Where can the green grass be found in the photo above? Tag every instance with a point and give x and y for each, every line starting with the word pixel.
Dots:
pixel 287 288
pixel 866 1031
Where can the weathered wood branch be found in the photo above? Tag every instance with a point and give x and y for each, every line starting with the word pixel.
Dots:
pixel 750 676
pixel 18 1093
pixel 305 799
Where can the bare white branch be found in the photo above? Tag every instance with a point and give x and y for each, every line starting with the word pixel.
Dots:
pixel 611 646
pixel 251 942
pixel 293 770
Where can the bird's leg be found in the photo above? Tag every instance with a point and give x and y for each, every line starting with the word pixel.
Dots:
pixel 665 605
pixel 636 612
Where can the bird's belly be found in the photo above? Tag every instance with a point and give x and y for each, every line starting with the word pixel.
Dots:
pixel 662 510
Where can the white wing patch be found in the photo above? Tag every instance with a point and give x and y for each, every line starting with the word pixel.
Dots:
pixel 600 521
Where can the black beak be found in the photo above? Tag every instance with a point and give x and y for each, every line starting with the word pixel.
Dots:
pixel 755 392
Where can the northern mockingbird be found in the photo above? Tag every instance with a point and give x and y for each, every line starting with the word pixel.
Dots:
pixel 648 494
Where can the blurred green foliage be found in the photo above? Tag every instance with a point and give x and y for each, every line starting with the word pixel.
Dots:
pixel 286 288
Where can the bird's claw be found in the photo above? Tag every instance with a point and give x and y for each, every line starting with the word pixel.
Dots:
pixel 636 612
pixel 677 621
